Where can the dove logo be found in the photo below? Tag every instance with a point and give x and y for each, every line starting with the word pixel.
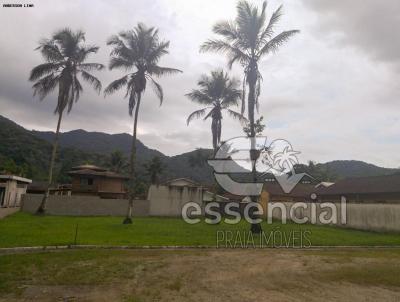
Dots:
pixel 240 155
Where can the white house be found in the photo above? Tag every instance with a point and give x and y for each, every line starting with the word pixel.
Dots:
pixel 11 189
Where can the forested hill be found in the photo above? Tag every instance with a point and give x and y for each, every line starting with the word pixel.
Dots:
pixel 28 152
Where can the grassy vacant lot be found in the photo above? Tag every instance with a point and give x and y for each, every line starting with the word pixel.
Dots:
pixel 23 229
pixel 201 275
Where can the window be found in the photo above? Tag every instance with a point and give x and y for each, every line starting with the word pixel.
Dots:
pixel 87 181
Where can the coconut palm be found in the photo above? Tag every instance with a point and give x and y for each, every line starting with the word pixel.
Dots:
pixel 65 58
pixel 154 168
pixel 246 40
pixel 137 51
pixel 218 92
pixel 117 161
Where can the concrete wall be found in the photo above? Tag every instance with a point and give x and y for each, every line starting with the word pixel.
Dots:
pixel 370 217
pixel 169 200
pixel 84 205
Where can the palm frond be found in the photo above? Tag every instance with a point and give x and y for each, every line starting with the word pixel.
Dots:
pixel 274 44
pixel 196 114
pixel 45 86
pixel 156 51
pixel 92 80
pixel 158 90
pixel 199 97
pixel 50 51
pixel 44 69
pixel 159 71
pixel 91 66
pixel 227 30
pixel 237 116
pixel 116 85
pixel 119 62
pixel 269 30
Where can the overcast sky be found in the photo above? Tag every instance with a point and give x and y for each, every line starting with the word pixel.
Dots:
pixel 333 91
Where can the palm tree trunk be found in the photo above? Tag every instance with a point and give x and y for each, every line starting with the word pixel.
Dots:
pixel 42 207
pixel 214 131
pixel 132 180
pixel 252 80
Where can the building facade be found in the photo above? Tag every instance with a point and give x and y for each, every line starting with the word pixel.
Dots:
pixel 96 181
pixel 11 190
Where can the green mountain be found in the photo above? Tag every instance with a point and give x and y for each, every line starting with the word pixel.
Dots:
pixel 23 153
pixel 28 153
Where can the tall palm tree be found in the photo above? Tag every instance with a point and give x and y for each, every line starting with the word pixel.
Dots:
pixel 137 51
pixel 218 92
pixel 154 168
pixel 246 40
pixel 65 58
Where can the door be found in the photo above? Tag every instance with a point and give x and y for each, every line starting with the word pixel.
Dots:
pixel 2 193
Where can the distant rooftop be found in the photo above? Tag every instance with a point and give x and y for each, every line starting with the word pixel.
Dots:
pixel 92 170
pixel 364 185
pixel 88 167
pixel 17 178
pixel 178 181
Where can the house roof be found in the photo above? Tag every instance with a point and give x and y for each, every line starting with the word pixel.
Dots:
pixel 300 190
pixel 364 185
pixel 90 172
pixel 173 182
pixel 88 167
pixel 17 178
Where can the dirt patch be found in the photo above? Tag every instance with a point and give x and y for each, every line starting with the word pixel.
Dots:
pixel 231 275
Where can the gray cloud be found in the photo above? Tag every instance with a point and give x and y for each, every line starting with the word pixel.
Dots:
pixel 325 91
pixel 369 25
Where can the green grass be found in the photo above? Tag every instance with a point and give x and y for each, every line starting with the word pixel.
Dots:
pixel 69 268
pixel 22 229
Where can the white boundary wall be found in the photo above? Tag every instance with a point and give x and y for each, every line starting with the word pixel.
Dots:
pixel 380 217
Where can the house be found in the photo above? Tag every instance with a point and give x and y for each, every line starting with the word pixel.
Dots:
pixel 300 193
pixel 11 189
pixel 96 181
pixel 373 189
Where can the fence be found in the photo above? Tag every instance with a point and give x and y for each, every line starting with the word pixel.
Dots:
pixel 379 217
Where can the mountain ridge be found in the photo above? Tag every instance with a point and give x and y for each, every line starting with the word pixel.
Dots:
pixel 78 146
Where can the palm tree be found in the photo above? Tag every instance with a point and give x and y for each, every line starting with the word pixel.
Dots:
pixel 247 40
pixel 65 58
pixel 218 92
pixel 117 161
pixel 154 168
pixel 137 51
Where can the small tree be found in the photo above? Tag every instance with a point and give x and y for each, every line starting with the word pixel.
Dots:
pixel 117 161
pixel 154 168
pixel 259 127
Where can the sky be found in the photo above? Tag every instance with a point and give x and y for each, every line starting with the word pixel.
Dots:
pixel 333 91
